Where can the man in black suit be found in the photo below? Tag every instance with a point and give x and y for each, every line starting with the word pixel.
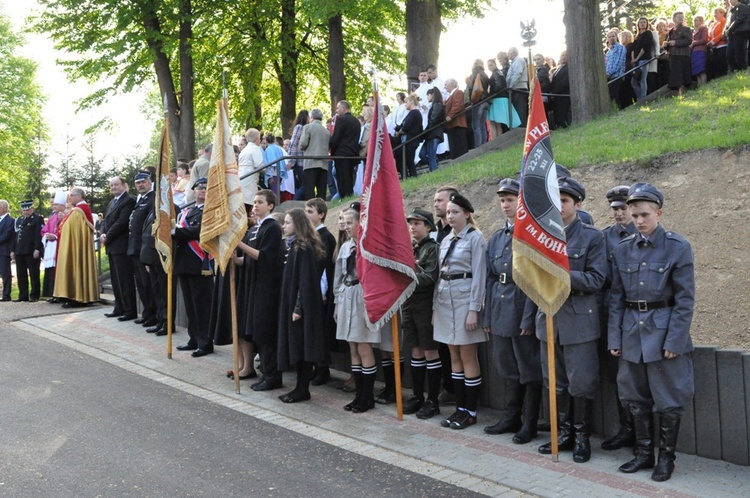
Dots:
pixel 27 252
pixel 7 234
pixel 115 239
pixel 345 142
pixel 144 204
pixel 194 268
pixel 157 278
pixel 317 210
pixel 560 84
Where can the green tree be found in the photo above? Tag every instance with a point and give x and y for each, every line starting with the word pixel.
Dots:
pixel 22 131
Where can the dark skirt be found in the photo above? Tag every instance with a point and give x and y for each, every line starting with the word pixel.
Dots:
pixel 679 71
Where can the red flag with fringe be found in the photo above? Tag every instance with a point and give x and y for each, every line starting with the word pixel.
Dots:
pixel 385 264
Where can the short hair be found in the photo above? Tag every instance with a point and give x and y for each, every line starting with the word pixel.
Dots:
pixel 452 82
pixel 387 108
pixel 173 170
pixel 270 138
pixel 677 13
pixel 269 196
pixel 120 179
pixel 316 114
pixel 413 99
pixel 4 203
pixel 78 191
pixel 184 167
pixel 252 135
pixel 447 188
pixel 320 206
pixel 430 67
pixel 208 148
pixel 345 105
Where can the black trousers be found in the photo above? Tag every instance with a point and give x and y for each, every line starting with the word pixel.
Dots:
pixel 195 290
pixel 345 176
pixel 123 283
pixel 520 101
pixel 27 268
pixel 737 50
pixel 48 283
pixel 457 142
pixel 157 280
pixel 6 276
pixel 269 360
pixel 315 181
pixel 143 285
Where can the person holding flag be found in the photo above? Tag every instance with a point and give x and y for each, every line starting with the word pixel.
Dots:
pixel 576 327
pixel 459 298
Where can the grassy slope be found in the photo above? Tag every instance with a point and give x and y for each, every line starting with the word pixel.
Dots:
pixel 715 115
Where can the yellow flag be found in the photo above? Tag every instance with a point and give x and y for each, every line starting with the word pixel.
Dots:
pixel 164 206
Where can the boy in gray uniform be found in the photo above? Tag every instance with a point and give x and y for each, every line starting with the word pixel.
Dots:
pixel 651 309
pixel 509 317
pixel 576 328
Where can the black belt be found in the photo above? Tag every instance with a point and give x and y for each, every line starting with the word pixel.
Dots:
pixel 580 293
pixel 351 283
pixel 455 276
pixel 649 305
pixel 505 278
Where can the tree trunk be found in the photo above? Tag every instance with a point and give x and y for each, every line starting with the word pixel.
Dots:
pixel 186 140
pixel 588 81
pixel 286 70
pixel 423 25
pixel 336 78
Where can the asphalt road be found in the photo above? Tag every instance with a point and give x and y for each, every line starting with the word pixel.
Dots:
pixel 72 425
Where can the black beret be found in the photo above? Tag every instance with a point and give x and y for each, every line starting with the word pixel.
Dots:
pixel 463 202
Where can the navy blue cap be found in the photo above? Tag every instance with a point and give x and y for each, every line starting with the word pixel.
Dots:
pixel 142 175
pixel 426 216
pixel 26 204
pixel 462 202
pixel 618 196
pixel 200 181
pixel 643 191
pixel 509 186
pixel 572 187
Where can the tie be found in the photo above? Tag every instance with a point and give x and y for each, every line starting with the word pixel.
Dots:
pixel 351 263
pixel 450 250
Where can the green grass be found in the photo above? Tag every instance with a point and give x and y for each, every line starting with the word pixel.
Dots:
pixel 716 115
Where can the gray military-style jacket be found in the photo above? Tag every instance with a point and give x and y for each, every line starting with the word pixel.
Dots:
pixel 658 275
pixel 507 310
pixel 577 321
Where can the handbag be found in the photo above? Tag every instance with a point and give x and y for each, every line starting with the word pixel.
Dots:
pixel 477 90
pixel 638 73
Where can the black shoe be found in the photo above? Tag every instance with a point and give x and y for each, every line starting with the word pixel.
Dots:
pixel 322 375
pixel 624 437
pixel 33 300
pixel 20 300
pixel 149 323
pixel 429 409
pixel 564 443
pixel 581 448
pixel 363 405
pixel 114 314
pixel 7 299
pixel 295 397
pixel 464 420
pixel 385 397
pixel 201 352
pixel 412 405
pixel 446 422
pixel 350 406
pixel 644 459
pixel 158 327
pixel 161 332
pixel 127 318
pixel 664 468
pixel 187 347
pixel 446 398
pixel 267 384
pixel 52 300
pixel 251 375
pixel 140 321
pixel 503 426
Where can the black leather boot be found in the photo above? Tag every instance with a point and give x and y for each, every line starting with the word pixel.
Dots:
pixel 511 421
pixel 531 402
pixel 584 411
pixel 626 435
pixel 643 423
pixel 669 422
pixel 565 437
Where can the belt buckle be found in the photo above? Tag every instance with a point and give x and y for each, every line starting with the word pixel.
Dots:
pixel 503 277
pixel 642 305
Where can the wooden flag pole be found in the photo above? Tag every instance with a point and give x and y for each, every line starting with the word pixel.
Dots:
pixel 397 366
pixel 170 320
pixel 552 385
pixel 235 333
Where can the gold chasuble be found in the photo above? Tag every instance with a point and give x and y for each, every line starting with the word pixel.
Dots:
pixel 76 276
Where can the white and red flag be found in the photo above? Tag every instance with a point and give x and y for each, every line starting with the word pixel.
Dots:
pixel 385 264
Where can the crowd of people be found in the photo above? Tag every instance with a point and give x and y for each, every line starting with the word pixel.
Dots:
pixel 299 299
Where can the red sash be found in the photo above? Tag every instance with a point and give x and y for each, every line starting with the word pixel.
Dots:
pixel 193 244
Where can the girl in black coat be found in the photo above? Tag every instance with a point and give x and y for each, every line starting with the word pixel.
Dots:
pixel 302 341
pixel 435 117
pixel 410 128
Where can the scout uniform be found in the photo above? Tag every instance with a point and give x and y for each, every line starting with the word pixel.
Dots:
pixel 417 323
pixel 651 309
pixel 507 310
pixel 576 333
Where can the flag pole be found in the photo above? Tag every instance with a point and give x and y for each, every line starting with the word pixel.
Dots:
pixel 552 385
pixel 235 333
pixel 170 283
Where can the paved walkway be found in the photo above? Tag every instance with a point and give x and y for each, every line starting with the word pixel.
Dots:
pixel 490 465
